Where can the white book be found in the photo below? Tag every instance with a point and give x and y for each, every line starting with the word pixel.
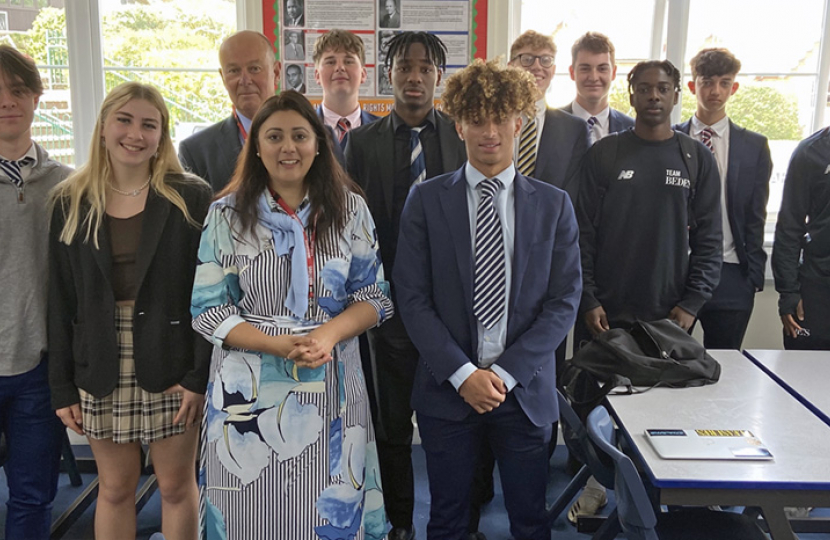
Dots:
pixel 737 444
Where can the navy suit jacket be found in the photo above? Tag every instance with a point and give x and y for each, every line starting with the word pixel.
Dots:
pixel 563 142
pixel 211 154
pixel 370 159
pixel 617 121
pixel 434 278
pixel 747 192
pixel 365 118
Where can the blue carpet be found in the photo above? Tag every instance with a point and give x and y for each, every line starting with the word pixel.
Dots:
pixel 493 520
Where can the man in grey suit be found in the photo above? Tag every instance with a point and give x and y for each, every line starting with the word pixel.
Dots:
pixel 593 69
pixel 551 147
pixel 249 71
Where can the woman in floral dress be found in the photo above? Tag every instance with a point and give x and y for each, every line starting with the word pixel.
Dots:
pixel 288 275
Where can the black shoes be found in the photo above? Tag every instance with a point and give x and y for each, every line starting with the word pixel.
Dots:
pixel 402 533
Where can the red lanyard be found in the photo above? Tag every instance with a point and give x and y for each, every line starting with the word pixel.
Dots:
pixel 240 126
pixel 309 245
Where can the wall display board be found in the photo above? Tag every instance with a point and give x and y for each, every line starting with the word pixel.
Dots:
pixel 294 25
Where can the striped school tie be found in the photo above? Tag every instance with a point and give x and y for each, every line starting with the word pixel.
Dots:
pixel 489 280
pixel 12 169
pixel 706 138
pixel 417 162
pixel 591 123
pixel 527 149
pixel 343 127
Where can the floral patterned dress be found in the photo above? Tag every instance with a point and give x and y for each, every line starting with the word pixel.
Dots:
pixel 288 453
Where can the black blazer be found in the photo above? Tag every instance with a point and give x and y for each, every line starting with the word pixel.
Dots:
pixel 562 145
pixel 370 155
pixel 747 193
pixel 83 352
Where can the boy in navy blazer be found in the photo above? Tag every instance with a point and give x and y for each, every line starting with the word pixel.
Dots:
pixel 339 58
pixel 744 164
pixel 593 69
pixel 488 279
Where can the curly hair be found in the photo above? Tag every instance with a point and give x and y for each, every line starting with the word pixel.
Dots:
pixel 593 42
pixel 667 67
pixel 535 41
pixel 714 62
pixel 487 90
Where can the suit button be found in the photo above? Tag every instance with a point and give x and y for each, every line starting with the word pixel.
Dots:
pixel 140 314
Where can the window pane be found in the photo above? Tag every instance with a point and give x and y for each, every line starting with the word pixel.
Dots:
pixel 627 24
pixel 174 47
pixel 42 35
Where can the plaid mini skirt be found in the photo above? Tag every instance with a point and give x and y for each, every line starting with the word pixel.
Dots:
pixel 129 413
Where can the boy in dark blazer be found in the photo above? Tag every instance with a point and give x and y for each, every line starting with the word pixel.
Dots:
pixel 593 69
pixel 562 139
pixel 339 58
pixel 379 157
pixel 488 276
pixel 744 163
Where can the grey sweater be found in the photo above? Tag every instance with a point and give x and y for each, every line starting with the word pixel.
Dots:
pixel 24 224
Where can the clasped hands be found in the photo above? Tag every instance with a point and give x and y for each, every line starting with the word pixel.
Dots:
pixel 309 351
pixel 483 390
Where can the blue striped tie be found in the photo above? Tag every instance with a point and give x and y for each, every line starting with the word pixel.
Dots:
pixel 12 169
pixel 489 281
pixel 593 134
pixel 417 163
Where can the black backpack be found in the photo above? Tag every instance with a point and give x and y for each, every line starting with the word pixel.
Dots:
pixel 649 354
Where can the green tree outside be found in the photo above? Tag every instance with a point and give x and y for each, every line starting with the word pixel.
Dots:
pixel 759 108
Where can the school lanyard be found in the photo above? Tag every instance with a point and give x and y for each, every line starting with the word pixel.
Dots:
pixel 242 132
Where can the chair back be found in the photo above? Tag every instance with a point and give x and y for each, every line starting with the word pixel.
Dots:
pixel 634 507
pixel 578 443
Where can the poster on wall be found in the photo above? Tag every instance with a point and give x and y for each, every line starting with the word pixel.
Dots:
pixel 294 25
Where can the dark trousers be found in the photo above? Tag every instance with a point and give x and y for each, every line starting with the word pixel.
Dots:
pixel 395 361
pixel 815 295
pixel 483 481
pixel 725 316
pixel 33 434
pixel 452 451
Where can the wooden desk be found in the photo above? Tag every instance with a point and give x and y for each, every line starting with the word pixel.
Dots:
pixel 804 374
pixel 744 398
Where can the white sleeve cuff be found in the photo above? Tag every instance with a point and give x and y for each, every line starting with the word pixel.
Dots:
pixel 461 375
pixel 224 329
pixel 508 379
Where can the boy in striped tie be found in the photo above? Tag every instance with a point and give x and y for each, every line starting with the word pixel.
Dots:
pixel 488 280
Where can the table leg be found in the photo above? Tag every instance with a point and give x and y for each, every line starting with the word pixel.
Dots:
pixel 779 525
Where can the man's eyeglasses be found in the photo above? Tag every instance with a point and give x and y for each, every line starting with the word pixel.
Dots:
pixel 527 60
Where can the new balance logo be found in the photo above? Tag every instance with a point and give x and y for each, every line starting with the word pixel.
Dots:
pixel 626 175
pixel 827 170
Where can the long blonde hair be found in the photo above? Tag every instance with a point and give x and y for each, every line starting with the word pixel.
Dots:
pixel 82 197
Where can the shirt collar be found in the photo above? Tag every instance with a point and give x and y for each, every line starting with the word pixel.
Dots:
pixel 30 153
pixel 397 121
pixel 718 127
pixel 245 121
pixel 475 177
pixel 331 118
pixel 580 112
